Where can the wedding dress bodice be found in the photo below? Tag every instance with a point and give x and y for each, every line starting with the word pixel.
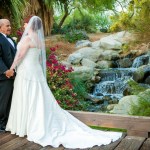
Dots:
pixel 30 66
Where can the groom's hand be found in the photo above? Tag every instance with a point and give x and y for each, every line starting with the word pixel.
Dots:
pixel 9 73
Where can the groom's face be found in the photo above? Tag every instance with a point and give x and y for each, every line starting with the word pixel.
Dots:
pixel 5 27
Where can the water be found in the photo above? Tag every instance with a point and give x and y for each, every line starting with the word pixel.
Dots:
pixel 141 60
pixel 114 82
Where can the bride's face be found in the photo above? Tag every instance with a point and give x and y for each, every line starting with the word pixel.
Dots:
pixel 25 25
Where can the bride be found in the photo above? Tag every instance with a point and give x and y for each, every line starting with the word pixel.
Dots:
pixel 34 110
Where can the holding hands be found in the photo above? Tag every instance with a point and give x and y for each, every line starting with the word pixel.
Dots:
pixel 9 73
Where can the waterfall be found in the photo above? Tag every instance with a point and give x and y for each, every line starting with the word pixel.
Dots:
pixel 113 82
pixel 141 60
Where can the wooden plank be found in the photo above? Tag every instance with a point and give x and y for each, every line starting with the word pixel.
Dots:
pixel 13 144
pixel 3 134
pixel 7 138
pixel 29 146
pixel 52 148
pixel 146 145
pixel 130 143
pixel 115 121
pixel 137 133
pixel 110 146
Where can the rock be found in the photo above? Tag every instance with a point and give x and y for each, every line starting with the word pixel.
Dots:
pixel 147 80
pixel 74 58
pixel 97 101
pixel 86 52
pixel 111 107
pixel 124 105
pixel 110 43
pixel 108 55
pixel 141 73
pixel 124 63
pixel 96 44
pixel 83 43
pixel 104 64
pixel 83 72
pixel 88 63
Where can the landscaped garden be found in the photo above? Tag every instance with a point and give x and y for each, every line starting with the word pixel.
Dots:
pixel 98 55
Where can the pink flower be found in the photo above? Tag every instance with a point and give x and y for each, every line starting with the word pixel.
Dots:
pixel 53 49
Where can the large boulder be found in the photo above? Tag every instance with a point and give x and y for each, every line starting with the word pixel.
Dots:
pixel 124 105
pixel 124 63
pixel 83 72
pixel 115 41
pixel 74 58
pixel 86 52
pixel 141 73
pixel 104 64
pixel 109 55
pixel 88 63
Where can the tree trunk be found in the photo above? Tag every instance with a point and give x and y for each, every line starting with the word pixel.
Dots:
pixel 65 15
pixel 62 20
pixel 37 7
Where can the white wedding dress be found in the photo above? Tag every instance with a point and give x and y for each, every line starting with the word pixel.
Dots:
pixel 35 112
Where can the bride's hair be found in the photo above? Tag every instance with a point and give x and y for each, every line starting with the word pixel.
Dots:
pixel 36 24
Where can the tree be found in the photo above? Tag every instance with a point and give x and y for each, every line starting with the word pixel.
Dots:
pixel 135 18
pixel 67 6
pixel 43 9
pixel 12 10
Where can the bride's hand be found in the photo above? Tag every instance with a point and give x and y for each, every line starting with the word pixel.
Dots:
pixel 9 73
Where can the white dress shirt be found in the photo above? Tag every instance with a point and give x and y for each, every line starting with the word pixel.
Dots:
pixel 9 39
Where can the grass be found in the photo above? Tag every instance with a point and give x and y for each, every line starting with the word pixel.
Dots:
pixel 108 129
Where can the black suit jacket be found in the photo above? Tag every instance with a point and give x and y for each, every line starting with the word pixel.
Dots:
pixel 7 54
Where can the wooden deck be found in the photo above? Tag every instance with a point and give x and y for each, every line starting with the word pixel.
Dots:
pixel 13 142
pixel 136 138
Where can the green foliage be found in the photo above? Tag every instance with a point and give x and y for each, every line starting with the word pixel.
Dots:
pixel 13 9
pixel 102 21
pixel 57 77
pixel 135 88
pixel 98 5
pixel 79 87
pixel 142 108
pixel 75 35
pixel 77 21
pixel 137 18
pixel 60 84
pixel 121 22
pixel 125 47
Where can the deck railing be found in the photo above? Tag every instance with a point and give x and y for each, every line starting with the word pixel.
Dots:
pixel 135 125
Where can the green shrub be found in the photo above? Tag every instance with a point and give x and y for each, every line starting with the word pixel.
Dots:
pixel 135 88
pixel 79 87
pixel 142 108
pixel 60 84
pixel 75 35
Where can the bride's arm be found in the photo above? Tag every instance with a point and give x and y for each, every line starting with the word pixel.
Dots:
pixel 23 48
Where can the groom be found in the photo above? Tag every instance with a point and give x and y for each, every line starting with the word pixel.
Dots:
pixel 7 54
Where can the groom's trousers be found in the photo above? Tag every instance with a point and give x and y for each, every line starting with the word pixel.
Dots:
pixel 6 89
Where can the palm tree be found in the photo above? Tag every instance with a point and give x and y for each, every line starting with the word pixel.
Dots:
pixel 13 10
pixel 43 9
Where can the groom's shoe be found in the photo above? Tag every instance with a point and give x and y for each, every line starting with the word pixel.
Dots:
pixel 2 130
